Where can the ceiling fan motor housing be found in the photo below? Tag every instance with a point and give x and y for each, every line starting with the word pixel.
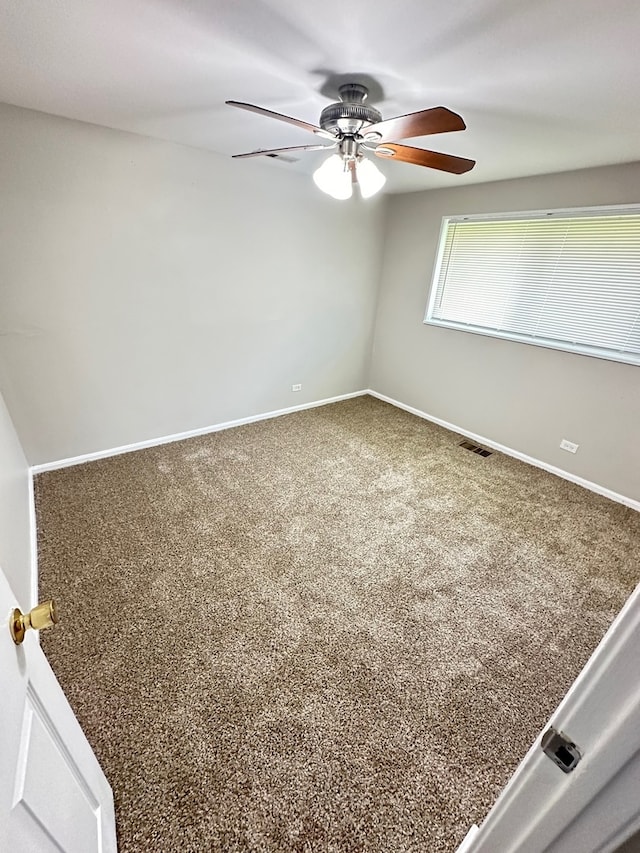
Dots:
pixel 350 115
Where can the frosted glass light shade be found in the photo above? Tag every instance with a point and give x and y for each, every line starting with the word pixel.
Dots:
pixel 370 178
pixel 332 178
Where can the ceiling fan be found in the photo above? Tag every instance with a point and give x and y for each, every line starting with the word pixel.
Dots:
pixel 356 129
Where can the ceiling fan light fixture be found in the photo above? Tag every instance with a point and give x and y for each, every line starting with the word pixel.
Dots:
pixel 334 178
pixel 354 127
pixel 370 178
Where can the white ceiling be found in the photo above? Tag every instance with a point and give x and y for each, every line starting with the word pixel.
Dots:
pixel 543 85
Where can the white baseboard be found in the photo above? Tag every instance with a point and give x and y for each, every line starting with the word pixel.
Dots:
pixel 523 457
pixel 467 840
pixel 140 445
pixel 33 544
pixel 180 436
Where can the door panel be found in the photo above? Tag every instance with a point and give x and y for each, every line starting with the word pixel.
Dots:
pixel 53 794
pixel 595 807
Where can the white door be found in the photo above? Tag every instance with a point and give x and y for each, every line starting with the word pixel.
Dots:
pixel 53 794
pixel 595 807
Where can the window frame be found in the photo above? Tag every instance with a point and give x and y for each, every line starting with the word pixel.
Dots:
pixel 517 337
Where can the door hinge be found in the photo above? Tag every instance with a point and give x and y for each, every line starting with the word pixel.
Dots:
pixel 560 749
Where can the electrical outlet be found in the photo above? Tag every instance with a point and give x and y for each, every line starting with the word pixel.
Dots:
pixel 296 387
pixel 569 445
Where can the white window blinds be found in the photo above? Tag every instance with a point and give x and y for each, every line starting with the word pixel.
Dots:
pixel 564 280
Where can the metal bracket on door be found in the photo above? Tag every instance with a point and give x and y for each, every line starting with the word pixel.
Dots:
pixel 560 749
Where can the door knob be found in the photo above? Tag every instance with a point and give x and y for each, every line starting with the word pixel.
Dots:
pixel 41 616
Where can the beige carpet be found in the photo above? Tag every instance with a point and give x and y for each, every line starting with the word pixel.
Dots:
pixel 332 631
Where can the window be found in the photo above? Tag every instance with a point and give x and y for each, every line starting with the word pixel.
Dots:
pixel 563 279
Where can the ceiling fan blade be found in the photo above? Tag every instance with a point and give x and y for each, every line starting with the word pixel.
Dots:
pixel 422 157
pixel 270 114
pixel 267 152
pixel 422 123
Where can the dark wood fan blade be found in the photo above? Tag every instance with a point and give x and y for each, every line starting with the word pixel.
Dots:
pixel 422 123
pixel 422 157
pixel 270 114
pixel 273 151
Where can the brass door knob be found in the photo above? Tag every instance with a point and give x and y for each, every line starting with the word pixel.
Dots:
pixel 41 616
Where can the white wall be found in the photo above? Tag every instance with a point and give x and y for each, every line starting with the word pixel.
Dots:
pixel 15 545
pixel 150 288
pixel 525 397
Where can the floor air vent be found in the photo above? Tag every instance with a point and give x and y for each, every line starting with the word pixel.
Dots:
pixel 475 448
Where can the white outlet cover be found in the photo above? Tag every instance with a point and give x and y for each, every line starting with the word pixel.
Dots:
pixel 569 445
pixel 296 387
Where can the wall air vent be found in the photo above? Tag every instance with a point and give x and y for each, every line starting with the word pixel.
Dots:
pixel 481 451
